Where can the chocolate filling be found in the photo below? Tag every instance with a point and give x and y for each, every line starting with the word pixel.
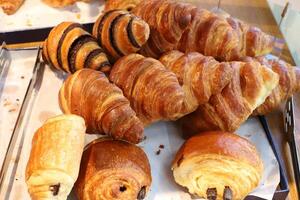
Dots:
pixel 142 193
pixel 76 45
pixel 54 189
pixel 112 34
pixel 130 34
pixel 104 64
pixel 61 40
pixel 123 188
pixel 211 193
pixel 100 26
pixel 227 195
pixel 91 56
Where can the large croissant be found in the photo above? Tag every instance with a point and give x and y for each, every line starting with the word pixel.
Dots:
pixel 289 84
pixel 251 84
pixel 89 94
pixel 156 93
pixel 182 26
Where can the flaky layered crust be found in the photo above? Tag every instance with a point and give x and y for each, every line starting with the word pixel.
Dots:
pixel 88 93
pixel 70 48
pixel 215 165
pixel 55 156
pixel 120 33
pixel 251 84
pixel 112 169
pixel 121 4
pixel 10 6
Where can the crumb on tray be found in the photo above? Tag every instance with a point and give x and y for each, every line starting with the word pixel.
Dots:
pixel 158 152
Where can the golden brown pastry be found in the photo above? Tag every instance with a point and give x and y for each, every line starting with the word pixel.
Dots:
pixel 88 93
pixel 182 26
pixel 218 165
pixel 289 84
pixel 54 161
pixel 120 4
pixel 200 76
pixel 251 84
pixel 112 169
pixel 70 48
pixel 61 3
pixel 10 6
pixel 120 33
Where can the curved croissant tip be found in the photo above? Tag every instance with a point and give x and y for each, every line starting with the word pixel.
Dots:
pixel 141 31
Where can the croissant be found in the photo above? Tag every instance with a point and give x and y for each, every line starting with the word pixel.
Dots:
pixel 53 165
pixel 10 6
pixel 61 3
pixel 112 169
pixel 69 48
pixel 120 33
pixel 251 84
pixel 184 27
pixel 218 165
pixel 289 84
pixel 89 94
pixel 121 4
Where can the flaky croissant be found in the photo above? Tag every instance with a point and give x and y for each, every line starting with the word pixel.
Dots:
pixel 88 93
pixel 251 84
pixel 54 161
pixel 113 169
pixel 70 48
pixel 289 83
pixel 218 166
pixel 184 27
pixel 120 33
pixel 10 6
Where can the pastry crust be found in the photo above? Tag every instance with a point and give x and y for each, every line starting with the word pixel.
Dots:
pixel 120 33
pixel 220 162
pixel 121 4
pixel 88 93
pixel 55 156
pixel 61 3
pixel 70 48
pixel 10 6
pixel 113 169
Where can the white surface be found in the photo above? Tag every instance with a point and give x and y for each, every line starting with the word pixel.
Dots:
pixel 163 186
pixel 35 14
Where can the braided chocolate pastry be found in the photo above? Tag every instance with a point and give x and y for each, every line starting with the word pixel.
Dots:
pixel 120 33
pixel 113 169
pixel 89 94
pixel 218 165
pixel 70 48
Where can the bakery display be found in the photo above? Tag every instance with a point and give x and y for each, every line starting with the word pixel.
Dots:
pixel 112 169
pixel 218 165
pixel 120 33
pixel 188 29
pixel 10 6
pixel 55 156
pixel 251 84
pixel 70 48
pixel 61 3
pixel 88 93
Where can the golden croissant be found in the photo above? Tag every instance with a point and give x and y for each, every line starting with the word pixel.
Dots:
pixel 113 169
pixel 88 93
pixel 10 6
pixel 182 26
pixel 120 33
pixel 54 161
pixel 251 84
pixel 70 48
pixel 121 4
pixel 218 165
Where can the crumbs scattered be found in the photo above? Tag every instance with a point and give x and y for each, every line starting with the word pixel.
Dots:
pixel 17 99
pixel 161 146
pixel 17 179
pixel 28 22
pixel 157 152
pixel 6 103
pixel 12 110
pixel 78 16
pixel 22 77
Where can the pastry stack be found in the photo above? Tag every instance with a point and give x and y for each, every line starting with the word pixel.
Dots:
pixel 149 61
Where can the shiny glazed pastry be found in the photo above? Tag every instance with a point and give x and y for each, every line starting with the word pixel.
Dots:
pixel 251 84
pixel 70 48
pixel 10 6
pixel 113 169
pixel 88 93
pixel 218 165
pixel 120 33
pixel 55 156
pixel 61 3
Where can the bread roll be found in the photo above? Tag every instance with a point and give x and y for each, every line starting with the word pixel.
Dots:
pixel 218 165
